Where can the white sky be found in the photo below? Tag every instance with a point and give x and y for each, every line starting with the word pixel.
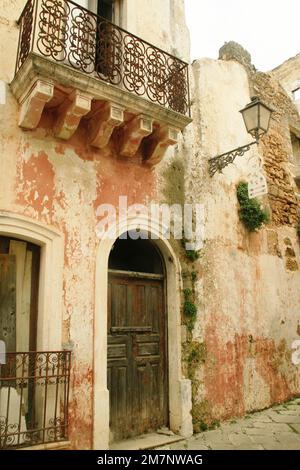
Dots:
pixel 268 29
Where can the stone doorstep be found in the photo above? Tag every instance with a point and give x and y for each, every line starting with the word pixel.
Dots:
pixel 146 441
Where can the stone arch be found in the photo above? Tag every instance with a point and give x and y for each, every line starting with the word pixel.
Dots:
pixel 179 387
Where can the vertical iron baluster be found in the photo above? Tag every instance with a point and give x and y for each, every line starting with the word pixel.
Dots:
pixel 188 92
pixel 22 381
pixel 8 403
pixel 46 396
pixel 19 46
pixel 67 359
pixel 36 7
pixel 56 397
pixel 64 356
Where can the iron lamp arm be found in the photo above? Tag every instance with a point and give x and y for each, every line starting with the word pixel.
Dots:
pixel 219 162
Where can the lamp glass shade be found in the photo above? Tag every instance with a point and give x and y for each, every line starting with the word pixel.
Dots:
pixel 256 117
pixel 250 116
pixel 265 115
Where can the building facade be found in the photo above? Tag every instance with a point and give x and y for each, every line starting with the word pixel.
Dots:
pixel 113 328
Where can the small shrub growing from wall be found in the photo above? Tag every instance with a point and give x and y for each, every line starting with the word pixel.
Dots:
pixel 251 213
pixel 189 309
pixel 192 255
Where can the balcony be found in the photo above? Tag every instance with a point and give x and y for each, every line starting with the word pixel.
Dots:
pixel 92 73
pixel 34 396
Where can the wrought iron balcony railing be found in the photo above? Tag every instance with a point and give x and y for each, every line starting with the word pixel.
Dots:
pixel 34 397
pixel 67 33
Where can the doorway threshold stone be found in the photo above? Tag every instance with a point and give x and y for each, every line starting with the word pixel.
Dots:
pixel 146 441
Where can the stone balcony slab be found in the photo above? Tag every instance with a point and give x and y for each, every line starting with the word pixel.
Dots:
pixel 146 127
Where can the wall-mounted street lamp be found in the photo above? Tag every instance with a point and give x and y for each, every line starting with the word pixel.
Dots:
pixel 256 117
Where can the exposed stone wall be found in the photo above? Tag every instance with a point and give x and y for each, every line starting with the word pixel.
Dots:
pixel 234 51
pixel 288 74
pixel 277 149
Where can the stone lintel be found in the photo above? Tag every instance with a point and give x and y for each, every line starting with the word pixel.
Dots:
pixel 133 133
pixel 103 123
pixel 156 145
pixel 33 103
pixel 77 105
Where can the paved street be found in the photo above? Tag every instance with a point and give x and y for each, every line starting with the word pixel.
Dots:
pixel 277 428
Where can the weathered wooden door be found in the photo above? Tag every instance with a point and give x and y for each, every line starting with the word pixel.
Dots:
pixel 8 301
pixel 137 354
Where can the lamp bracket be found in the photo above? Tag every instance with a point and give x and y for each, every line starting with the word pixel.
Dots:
pixel 221 161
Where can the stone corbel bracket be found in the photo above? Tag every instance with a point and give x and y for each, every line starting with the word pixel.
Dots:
pixel 70 112
pixel 103 123
pixel 133 133
pixel 33 103
pixel 156 145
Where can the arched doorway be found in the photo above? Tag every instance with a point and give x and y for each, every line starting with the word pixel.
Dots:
pixel 137 366
pixel 179 400
pixel 31 258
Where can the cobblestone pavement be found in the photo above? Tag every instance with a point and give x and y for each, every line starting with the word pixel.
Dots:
pixel 277 428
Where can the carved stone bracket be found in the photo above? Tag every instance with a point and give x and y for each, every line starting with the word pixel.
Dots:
pixel 103 123
pixel 77 105
pixel 156 145
pixel 133 133
pixel 33 103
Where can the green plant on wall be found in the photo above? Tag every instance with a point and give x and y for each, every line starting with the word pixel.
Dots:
pixel 189 309
pixel 192 255
pixel 250 213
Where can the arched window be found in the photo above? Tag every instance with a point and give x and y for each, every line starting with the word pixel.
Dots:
pixel 138 255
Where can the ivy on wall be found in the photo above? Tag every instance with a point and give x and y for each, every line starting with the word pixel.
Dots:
pixel 189 309
pixel 250 213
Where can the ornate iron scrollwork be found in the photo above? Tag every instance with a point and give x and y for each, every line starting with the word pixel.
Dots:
pixel 25 33
pixel 68 33
pixel 221 161
pixel 35 391
pixel 53 29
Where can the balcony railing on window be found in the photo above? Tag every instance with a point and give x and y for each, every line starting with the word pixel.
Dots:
pixel 34 397
pixel 65 32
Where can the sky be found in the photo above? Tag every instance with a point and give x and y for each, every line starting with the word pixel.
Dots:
pixel 268 29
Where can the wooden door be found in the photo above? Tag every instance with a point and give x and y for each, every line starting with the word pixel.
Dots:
pixel 8 301
pixel 137 354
